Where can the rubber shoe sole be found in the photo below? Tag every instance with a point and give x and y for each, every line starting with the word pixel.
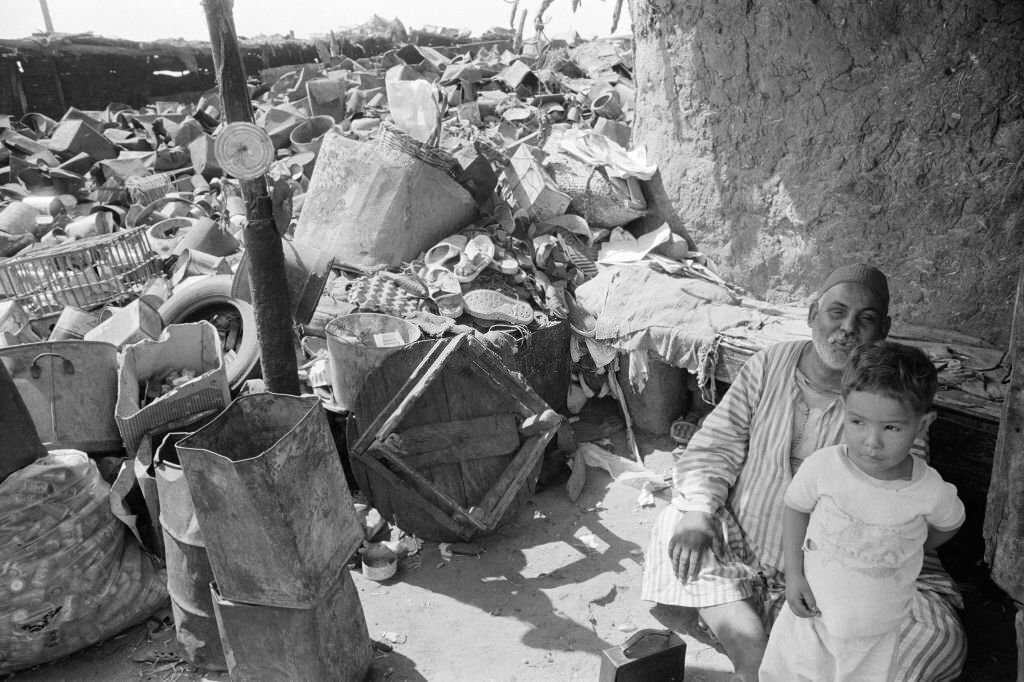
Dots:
pixel 487 304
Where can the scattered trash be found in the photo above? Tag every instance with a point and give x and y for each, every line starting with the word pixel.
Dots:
pixel 590 541
pixel 394 637
pixel 382 647
pixel 622 470
pixel 578 478
pixel 646 497
pixel 379 562
pixel 466 549
pixel 402 544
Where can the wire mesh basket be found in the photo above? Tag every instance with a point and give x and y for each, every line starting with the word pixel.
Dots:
pixel 85 274
pixel 149 188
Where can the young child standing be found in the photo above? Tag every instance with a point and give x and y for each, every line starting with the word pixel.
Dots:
pixel 858 519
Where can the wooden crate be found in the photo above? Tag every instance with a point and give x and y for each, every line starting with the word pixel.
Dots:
pixel 446 441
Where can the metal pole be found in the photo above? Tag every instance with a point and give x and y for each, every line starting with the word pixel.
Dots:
pixel 271 305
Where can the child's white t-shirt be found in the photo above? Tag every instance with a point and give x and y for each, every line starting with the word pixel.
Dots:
pixel 865 540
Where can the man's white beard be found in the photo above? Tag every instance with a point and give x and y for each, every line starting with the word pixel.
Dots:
pixel 835 350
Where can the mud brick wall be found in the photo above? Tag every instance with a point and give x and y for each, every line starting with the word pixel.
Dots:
pixel 796 136
pixel 90 72
pixel 91 76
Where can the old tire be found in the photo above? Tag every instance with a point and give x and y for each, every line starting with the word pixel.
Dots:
pixel 210 299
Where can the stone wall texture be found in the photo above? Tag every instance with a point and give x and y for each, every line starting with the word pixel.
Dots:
pixel 794 136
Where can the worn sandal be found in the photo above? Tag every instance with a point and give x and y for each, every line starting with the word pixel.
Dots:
pixel 478 254
pixel 448 249
pixel 682 431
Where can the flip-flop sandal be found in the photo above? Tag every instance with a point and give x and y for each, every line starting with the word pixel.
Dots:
pixel 543 246
pixel 478 254
pixel 440 281
pixel 488 304
pixel 444 251
pixel 505 262
pixel 449 305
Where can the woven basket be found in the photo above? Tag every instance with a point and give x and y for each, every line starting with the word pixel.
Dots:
pixel 595 198
pixel 391 137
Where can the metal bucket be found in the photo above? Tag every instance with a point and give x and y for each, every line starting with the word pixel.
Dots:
pixel 359 343
pixel 272 500
pixel 326 641
pixel 101 222
pixel 188 567
pixel 70 389
pixel 309 135
pixel 73 323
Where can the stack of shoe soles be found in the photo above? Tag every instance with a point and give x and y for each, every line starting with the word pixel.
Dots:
pixel 386 292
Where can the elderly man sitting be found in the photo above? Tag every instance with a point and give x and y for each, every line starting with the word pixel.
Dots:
pixel 718 546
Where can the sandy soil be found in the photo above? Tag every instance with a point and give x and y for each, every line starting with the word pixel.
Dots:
pixel 549 593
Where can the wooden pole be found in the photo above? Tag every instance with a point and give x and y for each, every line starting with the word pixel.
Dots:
pixel 517 43
pixel 1004 515
pixel 46 16
pixel 19 440
pixel 263 248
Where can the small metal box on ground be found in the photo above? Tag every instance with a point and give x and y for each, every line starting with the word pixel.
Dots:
pixel 648 656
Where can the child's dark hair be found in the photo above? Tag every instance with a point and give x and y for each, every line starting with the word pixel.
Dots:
pixel 901 372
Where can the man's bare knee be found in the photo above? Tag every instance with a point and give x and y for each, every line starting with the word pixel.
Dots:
pixel 738 627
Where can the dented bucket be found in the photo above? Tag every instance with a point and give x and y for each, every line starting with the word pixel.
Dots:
pixel 188 568
pixel 272 500
pixel 326 641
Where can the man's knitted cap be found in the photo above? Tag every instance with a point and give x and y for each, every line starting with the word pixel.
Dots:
pixel 865 275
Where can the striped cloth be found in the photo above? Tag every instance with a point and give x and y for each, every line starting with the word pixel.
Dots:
pixel 737 467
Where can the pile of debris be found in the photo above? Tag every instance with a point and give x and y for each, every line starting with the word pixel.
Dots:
pixel 536 146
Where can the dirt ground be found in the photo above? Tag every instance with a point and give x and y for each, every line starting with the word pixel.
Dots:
pixel 549 593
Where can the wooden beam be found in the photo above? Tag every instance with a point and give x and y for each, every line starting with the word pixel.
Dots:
pixel 503 492
pixel 430 367
pixel 391 458
pixel 271 304
pixel 1004 515
pixel 398 487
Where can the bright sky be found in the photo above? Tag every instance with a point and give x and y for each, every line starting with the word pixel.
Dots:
pixel 154 19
